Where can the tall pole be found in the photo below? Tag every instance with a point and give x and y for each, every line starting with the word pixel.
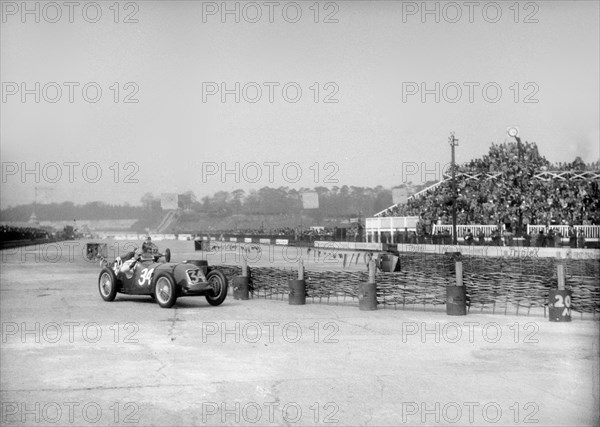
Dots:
pixel 514 132
pixel 453 143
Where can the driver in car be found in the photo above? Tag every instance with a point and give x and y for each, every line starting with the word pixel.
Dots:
pixel 126 264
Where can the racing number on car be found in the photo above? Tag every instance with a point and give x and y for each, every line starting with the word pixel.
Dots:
pixel 145 276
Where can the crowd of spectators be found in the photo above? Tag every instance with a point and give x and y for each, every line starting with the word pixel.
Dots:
pixel 10 233
pixel 506 191
pixel 351 233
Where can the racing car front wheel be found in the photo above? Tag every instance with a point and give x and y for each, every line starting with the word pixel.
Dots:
pixel 165 290
pixel 218 281
pixel 107 284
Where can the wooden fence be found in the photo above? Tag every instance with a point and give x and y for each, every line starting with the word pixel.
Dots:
pixel 503 285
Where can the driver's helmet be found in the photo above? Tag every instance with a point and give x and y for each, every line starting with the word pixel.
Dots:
pixel 149 248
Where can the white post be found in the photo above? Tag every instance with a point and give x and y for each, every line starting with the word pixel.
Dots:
pixel 459 273
pixel 560 272
pixel 300 270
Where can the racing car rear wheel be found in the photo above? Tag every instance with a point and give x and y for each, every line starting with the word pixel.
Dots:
pixel 107 284
pixel 218 281
pixel 165 290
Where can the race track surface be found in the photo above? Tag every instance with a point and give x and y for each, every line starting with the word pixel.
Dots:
pixel 69 358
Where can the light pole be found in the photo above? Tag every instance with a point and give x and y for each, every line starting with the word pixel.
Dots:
pixel 514 132
pixel 453 143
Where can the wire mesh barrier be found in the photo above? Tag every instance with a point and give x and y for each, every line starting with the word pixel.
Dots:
pixel 498 285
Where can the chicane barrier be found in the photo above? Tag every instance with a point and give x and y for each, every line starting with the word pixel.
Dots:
pixel 260 240
pixel 589 231
pixel 141 236
pixel 503 251
pixel 357 246
pixel 498 285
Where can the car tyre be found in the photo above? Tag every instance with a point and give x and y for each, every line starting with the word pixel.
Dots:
pixel 167 255
pixel 219 283
pixel 107 284
pixel 165 290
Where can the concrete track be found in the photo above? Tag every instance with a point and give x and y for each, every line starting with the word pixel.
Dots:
pixel 69 358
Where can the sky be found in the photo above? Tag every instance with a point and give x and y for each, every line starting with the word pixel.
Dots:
pixel 166 97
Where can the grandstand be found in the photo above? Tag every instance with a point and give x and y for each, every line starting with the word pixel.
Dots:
pixel 512 190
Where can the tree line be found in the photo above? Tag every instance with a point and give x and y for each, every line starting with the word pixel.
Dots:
pixel 336 202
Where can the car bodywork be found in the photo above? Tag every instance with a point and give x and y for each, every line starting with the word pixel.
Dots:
pixel 163 281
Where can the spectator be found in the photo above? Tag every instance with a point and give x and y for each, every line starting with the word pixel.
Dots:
pixel 572 238
pixel 496 237
pixel 447 238
pixel 541 239
pixel 557 239
pixel 469 237
pixel 550 238
pixel 481 237
pixel 581 239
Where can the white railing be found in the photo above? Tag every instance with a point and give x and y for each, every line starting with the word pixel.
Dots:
pixel 589 231
pixel 461 230
pixel 391 223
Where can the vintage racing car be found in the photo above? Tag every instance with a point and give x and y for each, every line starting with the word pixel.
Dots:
pixel 163 281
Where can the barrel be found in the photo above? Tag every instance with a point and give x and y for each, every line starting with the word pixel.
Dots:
pixel 297 294
pixel 387 266
pixel 456 300
pixel 240 287
pixel 559 303
pixel 367 296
